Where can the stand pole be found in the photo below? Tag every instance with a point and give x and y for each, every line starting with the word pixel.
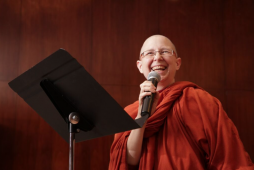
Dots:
pixel 71 151
pixel 73 120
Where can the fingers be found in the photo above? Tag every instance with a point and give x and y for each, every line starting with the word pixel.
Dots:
pixel 146 89
pixel 142 95
pixel 147 86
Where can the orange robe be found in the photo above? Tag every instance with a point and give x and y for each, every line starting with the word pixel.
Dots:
pixel 189 130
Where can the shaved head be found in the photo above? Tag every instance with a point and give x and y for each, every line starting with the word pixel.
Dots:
pixel 165 65
pixel 156 38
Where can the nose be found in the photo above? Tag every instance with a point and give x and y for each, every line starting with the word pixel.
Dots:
pixel 157 56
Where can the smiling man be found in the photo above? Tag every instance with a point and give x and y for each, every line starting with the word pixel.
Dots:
pixel 188 128
pixel 158 53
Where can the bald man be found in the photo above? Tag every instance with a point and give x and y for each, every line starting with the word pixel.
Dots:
pixel 187 129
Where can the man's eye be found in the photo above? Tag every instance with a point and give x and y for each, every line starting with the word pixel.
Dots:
pixel 164 52
pixel 149 53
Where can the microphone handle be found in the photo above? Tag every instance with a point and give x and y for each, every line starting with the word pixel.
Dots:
pixel 148 100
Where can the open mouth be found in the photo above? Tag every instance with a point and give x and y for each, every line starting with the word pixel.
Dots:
pixel 159 68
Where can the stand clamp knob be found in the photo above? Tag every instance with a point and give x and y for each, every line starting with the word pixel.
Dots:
pixel 74 118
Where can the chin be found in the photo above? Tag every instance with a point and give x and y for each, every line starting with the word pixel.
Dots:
pixel 164 75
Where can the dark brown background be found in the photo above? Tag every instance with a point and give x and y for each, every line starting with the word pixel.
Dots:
pixel 214 38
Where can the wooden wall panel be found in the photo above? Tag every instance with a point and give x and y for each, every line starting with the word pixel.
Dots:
pixel 93 154
pixel 196 30
pixel 239 41
pixel 48 26
pixel 34 140
pixel 7 125
pixel 9 38
pixel 119 29
pixel 60 155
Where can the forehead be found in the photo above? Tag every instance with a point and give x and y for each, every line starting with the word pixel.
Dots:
pixel 156 43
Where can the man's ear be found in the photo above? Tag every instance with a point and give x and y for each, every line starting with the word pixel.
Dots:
pixel 178 63
pixel 139 65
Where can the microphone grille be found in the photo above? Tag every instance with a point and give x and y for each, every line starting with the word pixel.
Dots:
pixel 154 74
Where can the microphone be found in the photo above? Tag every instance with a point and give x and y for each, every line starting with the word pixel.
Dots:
pixel 154 77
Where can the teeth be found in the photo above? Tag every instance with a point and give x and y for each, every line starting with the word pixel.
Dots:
pixel 159 68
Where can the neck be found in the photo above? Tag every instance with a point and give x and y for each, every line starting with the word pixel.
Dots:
pixel 162 85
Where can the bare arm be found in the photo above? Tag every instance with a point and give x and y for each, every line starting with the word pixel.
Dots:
pixel 135 140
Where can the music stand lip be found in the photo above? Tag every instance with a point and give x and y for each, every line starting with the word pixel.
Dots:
pixel 95 104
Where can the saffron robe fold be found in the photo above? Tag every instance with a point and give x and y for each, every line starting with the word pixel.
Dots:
pixel 189 130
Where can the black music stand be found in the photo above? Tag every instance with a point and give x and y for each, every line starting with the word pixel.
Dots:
pixel 68 98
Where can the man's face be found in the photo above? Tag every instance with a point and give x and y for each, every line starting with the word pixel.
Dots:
pixel 165 66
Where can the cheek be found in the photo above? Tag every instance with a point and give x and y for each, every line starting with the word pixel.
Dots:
pixel 173 64
pixel 147 64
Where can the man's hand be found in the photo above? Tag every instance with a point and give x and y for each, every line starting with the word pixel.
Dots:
pixel 146 89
